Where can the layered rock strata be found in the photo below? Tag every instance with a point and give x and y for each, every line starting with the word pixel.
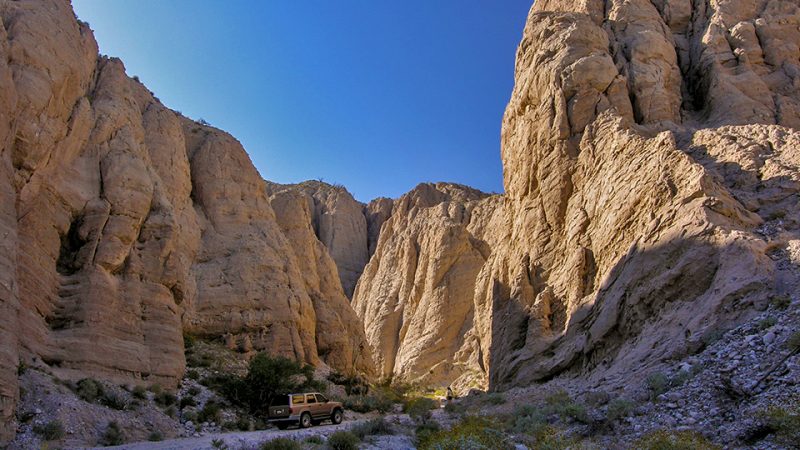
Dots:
pixel 125 224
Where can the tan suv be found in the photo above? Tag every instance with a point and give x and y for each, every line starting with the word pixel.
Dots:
pixel 306 409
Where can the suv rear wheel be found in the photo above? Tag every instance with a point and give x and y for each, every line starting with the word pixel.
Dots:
pixel 305 420
pixel 336 417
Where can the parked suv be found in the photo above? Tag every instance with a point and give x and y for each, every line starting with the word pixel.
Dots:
pixel 304 409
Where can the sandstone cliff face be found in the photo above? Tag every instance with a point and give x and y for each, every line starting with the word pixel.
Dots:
pixel 416 294
pixel 633 211
pixel 124 224
pixel 340 223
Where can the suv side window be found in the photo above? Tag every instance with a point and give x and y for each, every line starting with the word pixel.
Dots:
pixel 298 399
pixel 310 398
pixel 321 398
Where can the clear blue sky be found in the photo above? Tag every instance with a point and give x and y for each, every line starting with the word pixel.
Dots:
pixel 377 95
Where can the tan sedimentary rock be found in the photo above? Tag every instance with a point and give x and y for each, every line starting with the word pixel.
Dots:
pixel 633 210
pixel 377 212
pixel 416 294
pixel 124 224
pixel 339 223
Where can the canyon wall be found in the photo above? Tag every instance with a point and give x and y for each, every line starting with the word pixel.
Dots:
pixel 644 147
pixel 416 294
pixel 125 225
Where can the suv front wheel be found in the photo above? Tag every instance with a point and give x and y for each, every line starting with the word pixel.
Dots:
pixel 305 420
pixel 336 417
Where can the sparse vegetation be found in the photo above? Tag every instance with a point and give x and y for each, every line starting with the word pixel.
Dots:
pixel 50 431
pixel 155 436
pixel 114 400
pixel 165 399
pixel 793 343
pixel 781 301
pixel 366 403
pixel 784 423
pixel 314 440
pixel 113 435
pixel 454 408
pixel 343 440
pixel 769 322
pixel 617 409
pixel 674 440
pixel 187 401
pixel 21 368
pixel 139 392
pixel 657 383
pixel 426 430
pixel 281 443
pixel 495 398
pixel 210 412
pixel 192 374
pixel 420 408
pixel 372 427
pixel 219 444
pixel 472 432
pixel 89 390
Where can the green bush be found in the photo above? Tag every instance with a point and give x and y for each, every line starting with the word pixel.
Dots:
pixel 243 424
pixel 454 408
pixel 674 440
pixel 781 301
pixel 425 430
pixel 315 440
pixel 192 374
pixel 768 322
pixel 784 423
pixel 551 438
pixel 190 416
pixel 155 436
pixel 420 408
pixel 165 398
pixel 155 388
pixel 657 383
pixel 194 390
pixel 187 401
pixel 89 390
pixel 114 400
pixel 113 435
pixel 50 431
pixel 472 432
pixel 266 377
pixel 366 403
pixel 281 443
pixel 210 412
pixel 372 427
pixel 495 398
pixel 139 392
pixel 529 420
pixel 171 411
pixel 188 341
pixel 219 444
pixel 617 409
pixel 343 440
pixel 793 343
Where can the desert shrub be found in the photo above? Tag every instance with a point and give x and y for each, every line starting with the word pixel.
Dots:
pixel 353 384
pixel 210 412
pixel 89 390
pixel 192 374
pixel 194 390
pixel 674 440
pixel 219 444
pixel 495 398
pixel 425 430
pixel 266 377
pixel 187 401
pixel 529 420
pixel 171 411
pixel 784 423
pixel 597 398
pixel 50 431
pixel 420 408
pixel 113 435
pixel 367 403
pixel 781 301
pixel 139 392
pixel 190 416
pixel 155 436
pixel 372 427
pixel 114 400
pixel 155 388
pixel 165 398
pixel 343 440
pixel 281 443
pixel 315 440
pixel 454 408
pixel 551 438
pixel 657 383
pixel 577 412
pixel 562 404
pixel 768 322
pixel 243 424
pixel 21 368
pixel 472 432
pixel 793 343
pixel 618 409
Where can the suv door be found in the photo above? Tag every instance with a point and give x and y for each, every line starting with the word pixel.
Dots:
pixel 323 405
pixel 313 405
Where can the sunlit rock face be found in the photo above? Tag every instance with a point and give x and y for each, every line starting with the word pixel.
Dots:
pixel 643 146
pixel 125 224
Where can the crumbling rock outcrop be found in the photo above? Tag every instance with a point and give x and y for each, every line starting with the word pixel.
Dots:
pixel 125 224
pixel 416 294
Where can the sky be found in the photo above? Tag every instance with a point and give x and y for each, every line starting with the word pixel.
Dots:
pixel 376 95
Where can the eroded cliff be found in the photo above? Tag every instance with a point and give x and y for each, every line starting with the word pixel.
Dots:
pixel 125 224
